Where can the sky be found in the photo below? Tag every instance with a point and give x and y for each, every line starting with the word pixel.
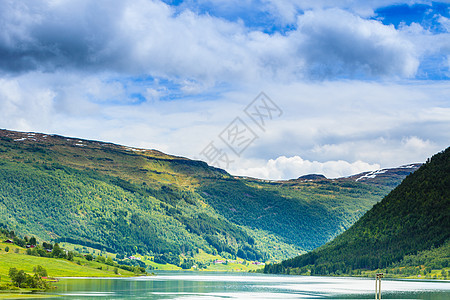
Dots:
pixel 262 88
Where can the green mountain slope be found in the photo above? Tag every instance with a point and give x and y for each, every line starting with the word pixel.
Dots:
pixel 414 217
pixel 129 200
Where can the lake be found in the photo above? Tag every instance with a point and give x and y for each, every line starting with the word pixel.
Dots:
pixel 204 285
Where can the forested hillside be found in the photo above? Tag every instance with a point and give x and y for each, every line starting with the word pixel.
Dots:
pixel 128 200
pixel 409 227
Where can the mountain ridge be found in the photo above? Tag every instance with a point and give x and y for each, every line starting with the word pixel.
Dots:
pixel 363 176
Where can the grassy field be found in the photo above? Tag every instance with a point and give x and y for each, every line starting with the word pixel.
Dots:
pixel 230 266
pixel 16 257
pixel 201 257
pixel 79 267
pixel 206 259
pixel 8 295
pixel 85 250
pixel 233 267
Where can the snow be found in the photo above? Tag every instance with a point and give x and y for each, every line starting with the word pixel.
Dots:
pixel 408 166
pixel 20 140
pixel 134 149
pixel 372 174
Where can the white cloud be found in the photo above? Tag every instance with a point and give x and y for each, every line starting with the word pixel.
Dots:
pixel 414 143
pixel 293 167
pixel 425 42
pixel 23 107
pixel 288 9
pixel 445 22
pixel 336 127
pixel 150 38
pixel 338 43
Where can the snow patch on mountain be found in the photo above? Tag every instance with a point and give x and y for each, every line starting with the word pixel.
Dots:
pixel 372 174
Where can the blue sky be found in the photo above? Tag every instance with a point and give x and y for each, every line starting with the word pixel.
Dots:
pixel 362 84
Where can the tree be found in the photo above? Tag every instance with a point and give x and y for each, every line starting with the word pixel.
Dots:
pixel 57 251
pixel 12 272
pixel 70 255
pixel 32 241
pixel 6 249
pixel 39 270
pixel 100 259
pixel 47 245
pixel 18 277
pixel 19 242
pixel 109 261
pixel 187 264
pixel 89 257
pixel 21 279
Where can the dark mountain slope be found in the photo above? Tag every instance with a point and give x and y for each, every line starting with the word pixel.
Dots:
pixel 414 217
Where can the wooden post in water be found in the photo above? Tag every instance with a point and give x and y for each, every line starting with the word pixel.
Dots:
pixel 378 286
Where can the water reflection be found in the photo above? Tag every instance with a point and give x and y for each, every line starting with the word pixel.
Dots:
pixel 190 285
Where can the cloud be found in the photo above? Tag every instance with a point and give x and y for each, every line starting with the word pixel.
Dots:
pixel 350 126
pixel 152 38
pixel 128 37
pixel 286 11
pixel 445 23
pixel 23 107
pixel 283 12
pixel 282 167
pixel 338 43
pixel 293 167
pixel 432 49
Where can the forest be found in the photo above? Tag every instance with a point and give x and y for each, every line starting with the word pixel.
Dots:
pixel 410 227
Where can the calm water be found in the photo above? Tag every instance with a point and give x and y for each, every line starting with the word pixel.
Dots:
pixel 189 285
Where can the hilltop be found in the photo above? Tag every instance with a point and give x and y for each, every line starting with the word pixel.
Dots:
pixel 129 200
pixel 410 227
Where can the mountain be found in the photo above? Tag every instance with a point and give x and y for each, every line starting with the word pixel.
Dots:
pixel 312 177
pixel 413 221
pixel 129 200
pixel 386 177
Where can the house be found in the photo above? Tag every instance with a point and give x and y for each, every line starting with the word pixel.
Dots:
pixel 9 241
